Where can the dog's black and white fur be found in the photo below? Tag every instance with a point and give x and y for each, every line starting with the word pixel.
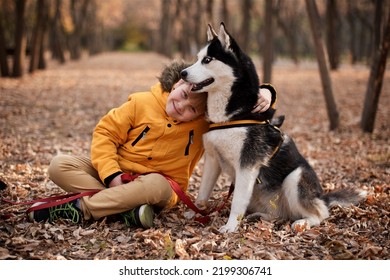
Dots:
pixel 271 177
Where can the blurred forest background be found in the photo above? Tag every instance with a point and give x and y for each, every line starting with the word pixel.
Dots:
pixel 352 29
pixel 333 31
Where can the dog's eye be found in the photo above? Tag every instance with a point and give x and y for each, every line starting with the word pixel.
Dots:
pixel 207 60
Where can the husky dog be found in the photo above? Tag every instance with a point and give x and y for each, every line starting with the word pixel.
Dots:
pixel 272 179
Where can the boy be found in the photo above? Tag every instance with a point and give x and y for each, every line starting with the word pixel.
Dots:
pixel 157 134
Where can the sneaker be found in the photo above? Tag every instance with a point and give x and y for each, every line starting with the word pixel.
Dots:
pixel 141 216
pixel 66 211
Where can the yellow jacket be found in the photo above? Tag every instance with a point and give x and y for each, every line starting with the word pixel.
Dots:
pixel 139 137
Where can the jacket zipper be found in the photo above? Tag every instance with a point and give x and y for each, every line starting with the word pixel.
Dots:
pixel 142 135
pixel 190 141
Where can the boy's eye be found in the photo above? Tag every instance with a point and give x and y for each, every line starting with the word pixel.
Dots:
pixel 185 95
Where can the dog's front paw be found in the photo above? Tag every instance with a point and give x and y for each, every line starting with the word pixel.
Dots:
pixel 300 225
pixel 228 228
pixel 189 214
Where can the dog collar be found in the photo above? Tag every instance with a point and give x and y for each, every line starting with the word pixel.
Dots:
pixel 245 123
pixel 237 123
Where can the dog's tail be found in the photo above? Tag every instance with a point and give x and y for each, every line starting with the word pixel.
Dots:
pixel 344 197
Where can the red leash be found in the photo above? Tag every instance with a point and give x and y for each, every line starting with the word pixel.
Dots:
pixel 54 202
pixel 51 200
pixel 185 198
pixel 205 214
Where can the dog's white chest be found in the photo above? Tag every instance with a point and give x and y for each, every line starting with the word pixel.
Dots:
pixel 226 145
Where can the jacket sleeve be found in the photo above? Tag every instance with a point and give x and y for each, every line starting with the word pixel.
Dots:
pixel 273 93
pixel 109 134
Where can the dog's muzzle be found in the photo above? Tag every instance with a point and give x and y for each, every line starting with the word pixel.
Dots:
pixel 198 86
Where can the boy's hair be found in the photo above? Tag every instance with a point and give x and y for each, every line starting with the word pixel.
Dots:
pixel 171 75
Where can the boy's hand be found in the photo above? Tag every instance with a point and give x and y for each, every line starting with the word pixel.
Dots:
pixel 116 181
pixel 263 102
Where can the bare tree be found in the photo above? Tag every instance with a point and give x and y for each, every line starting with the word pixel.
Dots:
pixel 363 18
pixel 209 11
pixel 225 13
pixel 94 31
pixel 324 72
pixel 38 35
pixel 20 39
pixel 246 7
pixel 333 32
pixel 3 54
pixel 78 11
pixel 268 43
pixel 352 30
pixel 57 37
pixel 184 15
pixel 287 19
pixel 198 34
pixel 44 37
pixel 374 86
pixel 166 29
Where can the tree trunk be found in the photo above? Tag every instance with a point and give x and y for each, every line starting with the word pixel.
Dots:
pixel 38 34
pixel 210 12
pixel 333 31
pixel 366 30
pixel 375 81
pixel 94 31
pixel 44 38
pixel 185 17
pixel 289 29
pixel 3 54
pixel 166 29
pixel 20 39
pixel 324 72
pixel 352 30
pixel 57 34
pixel 378 28
pixel 268 42
pixel 198 34
pixel 246 6
pixel 225 13
pixel 78 12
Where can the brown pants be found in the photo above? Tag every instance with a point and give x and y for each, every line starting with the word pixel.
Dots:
pixel 76 174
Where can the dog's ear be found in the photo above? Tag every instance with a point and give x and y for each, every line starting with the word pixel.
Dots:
pixel 278 121
pixel 224 37
pixel 211 34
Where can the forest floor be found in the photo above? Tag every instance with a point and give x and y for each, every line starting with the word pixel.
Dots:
pixel 54 111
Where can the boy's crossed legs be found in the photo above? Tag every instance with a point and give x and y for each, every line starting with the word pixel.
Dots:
pixel 76 174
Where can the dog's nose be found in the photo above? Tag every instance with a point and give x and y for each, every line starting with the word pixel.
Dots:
pixel 184 74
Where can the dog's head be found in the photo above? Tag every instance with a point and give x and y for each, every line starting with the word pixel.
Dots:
pixel 227 74
pixel 216 62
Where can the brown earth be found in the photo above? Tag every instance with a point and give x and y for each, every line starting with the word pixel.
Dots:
pixel 54 111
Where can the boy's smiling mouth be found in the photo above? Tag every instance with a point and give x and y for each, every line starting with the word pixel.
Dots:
pixel 176 110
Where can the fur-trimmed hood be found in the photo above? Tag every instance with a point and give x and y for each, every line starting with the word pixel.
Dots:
pixel 171 74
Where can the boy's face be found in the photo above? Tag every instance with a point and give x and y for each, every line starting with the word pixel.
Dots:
pixel 179 105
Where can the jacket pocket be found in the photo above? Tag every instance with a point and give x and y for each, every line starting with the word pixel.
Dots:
pixel 140 136
pixel 190 141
